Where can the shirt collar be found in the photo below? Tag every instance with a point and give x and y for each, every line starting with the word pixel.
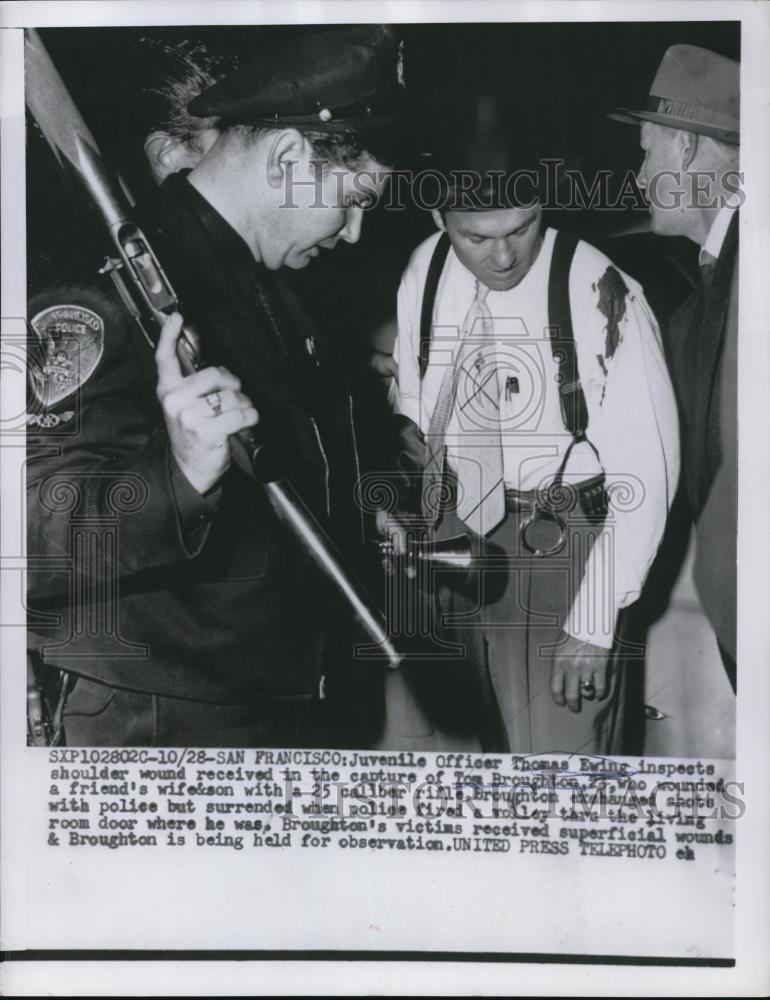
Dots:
pixel 717 233
pixel 232 251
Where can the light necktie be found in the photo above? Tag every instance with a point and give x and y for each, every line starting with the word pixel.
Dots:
pixel 471 386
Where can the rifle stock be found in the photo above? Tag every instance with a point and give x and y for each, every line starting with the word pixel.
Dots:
pixel 147 292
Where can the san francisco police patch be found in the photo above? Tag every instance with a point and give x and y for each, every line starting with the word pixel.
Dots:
pixel 71 343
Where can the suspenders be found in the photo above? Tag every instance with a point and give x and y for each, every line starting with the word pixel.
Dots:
pixel 435 268
pixel 574 412
pixel 543 531
pixel 573 404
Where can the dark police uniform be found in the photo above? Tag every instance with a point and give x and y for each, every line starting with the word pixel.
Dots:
pixel 181 618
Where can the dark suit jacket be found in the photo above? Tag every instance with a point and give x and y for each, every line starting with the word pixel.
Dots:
pixel 702 347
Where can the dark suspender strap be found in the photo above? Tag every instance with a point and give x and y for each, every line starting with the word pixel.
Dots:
pixel 429 297
pixel 573 402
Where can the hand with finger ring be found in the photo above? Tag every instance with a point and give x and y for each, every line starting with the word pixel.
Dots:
pixel 214 399
pixel 587 689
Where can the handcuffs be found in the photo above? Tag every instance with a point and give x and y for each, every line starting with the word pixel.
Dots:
pixel 544 531
pixel 549 520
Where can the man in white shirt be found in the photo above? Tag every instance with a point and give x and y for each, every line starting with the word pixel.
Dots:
pixel 690 135
pixel 530 430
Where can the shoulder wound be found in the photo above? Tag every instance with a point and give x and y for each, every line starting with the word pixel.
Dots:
pixel 68 326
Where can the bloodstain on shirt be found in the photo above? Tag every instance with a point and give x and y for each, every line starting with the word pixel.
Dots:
pixel 612 305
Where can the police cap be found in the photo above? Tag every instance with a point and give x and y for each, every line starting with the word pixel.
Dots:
pixel 326 80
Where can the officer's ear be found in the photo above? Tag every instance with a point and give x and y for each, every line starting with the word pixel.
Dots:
pixel 438 218
pixel 286 150
pixel 689 147
pixel 166 154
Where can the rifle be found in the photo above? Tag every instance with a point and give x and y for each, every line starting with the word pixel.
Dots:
pixel 149 296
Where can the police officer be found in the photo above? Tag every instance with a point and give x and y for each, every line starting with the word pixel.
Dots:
pixel 162 587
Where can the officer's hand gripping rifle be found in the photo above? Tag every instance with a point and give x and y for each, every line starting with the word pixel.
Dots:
pixel 148 294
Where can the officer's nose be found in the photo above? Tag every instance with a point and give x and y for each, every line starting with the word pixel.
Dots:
pixel 503 257
pixel 351 231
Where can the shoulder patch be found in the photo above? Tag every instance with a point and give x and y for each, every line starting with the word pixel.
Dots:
pixel 71 343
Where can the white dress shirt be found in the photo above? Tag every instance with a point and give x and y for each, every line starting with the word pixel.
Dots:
pixel 717 233
pixel 632 412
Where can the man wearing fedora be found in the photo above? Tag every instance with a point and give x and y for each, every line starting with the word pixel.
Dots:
pixel 202 626
pixel 539 418
pixel 690 135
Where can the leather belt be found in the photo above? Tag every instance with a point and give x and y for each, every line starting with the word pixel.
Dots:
pixel 520 499
pixel 567 498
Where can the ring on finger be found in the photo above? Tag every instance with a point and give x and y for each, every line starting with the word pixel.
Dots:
pixel 587 689
pixel 214 399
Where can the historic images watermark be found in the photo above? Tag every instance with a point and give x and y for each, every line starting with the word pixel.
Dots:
pixel 553 186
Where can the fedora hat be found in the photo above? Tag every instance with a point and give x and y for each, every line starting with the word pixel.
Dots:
pixel 695 90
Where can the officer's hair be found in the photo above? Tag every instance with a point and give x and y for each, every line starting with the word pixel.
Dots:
pixel 346 148
pixel 172 73
pixel 725 155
